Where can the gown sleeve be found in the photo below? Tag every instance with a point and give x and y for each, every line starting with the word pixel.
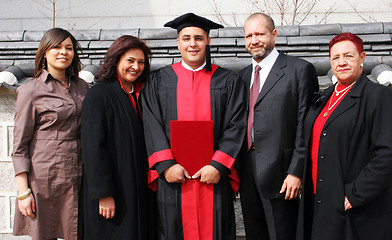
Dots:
pixel 233 123
pixel 157 144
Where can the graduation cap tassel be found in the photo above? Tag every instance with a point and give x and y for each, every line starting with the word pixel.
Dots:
pixel 208 59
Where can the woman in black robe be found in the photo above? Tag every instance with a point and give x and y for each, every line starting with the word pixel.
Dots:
pixel 117 198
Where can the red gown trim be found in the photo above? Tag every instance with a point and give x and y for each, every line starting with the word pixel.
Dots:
pixel 223 159
pixel 197 199
pixel 138 87
pixel 228 162
pixel 159 156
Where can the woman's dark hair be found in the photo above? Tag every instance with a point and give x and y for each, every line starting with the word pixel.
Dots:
pixel 108 70
pixel 52 38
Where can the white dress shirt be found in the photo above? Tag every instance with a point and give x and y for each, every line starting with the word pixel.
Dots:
pixel 266 66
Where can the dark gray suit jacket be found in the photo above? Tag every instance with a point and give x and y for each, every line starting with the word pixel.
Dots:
pixel 278 123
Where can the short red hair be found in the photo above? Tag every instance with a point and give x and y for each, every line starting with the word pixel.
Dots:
pixel 357 41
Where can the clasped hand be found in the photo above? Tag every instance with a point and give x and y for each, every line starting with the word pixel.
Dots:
pixel 177 174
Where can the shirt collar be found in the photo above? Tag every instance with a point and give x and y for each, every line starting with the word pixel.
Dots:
pixel 268 61
pixel 186 66
pixel 45 75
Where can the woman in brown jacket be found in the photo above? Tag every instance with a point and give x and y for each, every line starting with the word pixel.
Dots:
pixel 46 153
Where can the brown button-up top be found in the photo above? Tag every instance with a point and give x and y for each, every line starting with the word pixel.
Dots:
pixel 47 147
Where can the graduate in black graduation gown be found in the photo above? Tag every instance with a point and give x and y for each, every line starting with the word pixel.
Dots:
pixel 118 203
pixel 198 206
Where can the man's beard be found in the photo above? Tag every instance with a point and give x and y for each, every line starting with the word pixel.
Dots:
pixel 260 55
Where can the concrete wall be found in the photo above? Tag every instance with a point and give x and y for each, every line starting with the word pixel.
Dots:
pixel 7 179
pixel 126 14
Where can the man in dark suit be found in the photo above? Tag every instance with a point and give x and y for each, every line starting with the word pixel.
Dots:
pixel 280 90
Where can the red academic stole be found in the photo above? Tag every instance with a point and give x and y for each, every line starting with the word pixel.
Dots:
pixel 194 103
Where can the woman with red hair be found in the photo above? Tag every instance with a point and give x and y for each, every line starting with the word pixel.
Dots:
pixel 348 171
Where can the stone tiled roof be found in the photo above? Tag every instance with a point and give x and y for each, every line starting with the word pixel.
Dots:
pixel 310 42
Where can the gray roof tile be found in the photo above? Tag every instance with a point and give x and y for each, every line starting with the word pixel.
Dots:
pixel 86 62
pixel 371 62
pixel 160 33
pixel 12 57
pixel 11 36
pixel 376 38
pixel 309 40
pixel 5 64
pixel 324 82
pixel 324 29
pixel 100 44
pixel 286 31
pixel 387 60
pixel 96 62
pixel 27 66
pixel 298 48
pixel 321 64
pixel 164 43
pixel 235 64
pixel 220 55
pixel 113 34
pixel 281 40
pixel 379 47
pixel 379 53
pixel 159 51
pixel 223 42
pixel 13 52
pixel 160 62
pixel 33 36
pixel 387 27
pixel 363 28
pixel 230 32
pixel 232 49
pixel 308 54
pixel 19 45
pixel 83 35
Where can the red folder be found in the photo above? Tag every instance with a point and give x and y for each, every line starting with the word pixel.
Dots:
pixel 192 143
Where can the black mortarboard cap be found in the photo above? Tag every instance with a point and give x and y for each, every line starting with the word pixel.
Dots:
pixel 192 20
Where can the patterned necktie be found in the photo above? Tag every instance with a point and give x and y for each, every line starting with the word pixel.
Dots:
pixel 254 93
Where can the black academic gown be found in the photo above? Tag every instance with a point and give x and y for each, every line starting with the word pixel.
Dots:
pixel 115 164
pixel 160 103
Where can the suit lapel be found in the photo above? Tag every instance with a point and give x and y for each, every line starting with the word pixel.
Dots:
pixel 348 101
pixel 276 73
pixel 246 76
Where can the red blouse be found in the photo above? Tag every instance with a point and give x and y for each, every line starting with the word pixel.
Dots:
pixel 137 86
pixel 318 128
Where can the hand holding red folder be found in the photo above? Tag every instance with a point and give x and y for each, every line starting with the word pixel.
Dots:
pixel 208 174
pixel 176 174
pixel 192 144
